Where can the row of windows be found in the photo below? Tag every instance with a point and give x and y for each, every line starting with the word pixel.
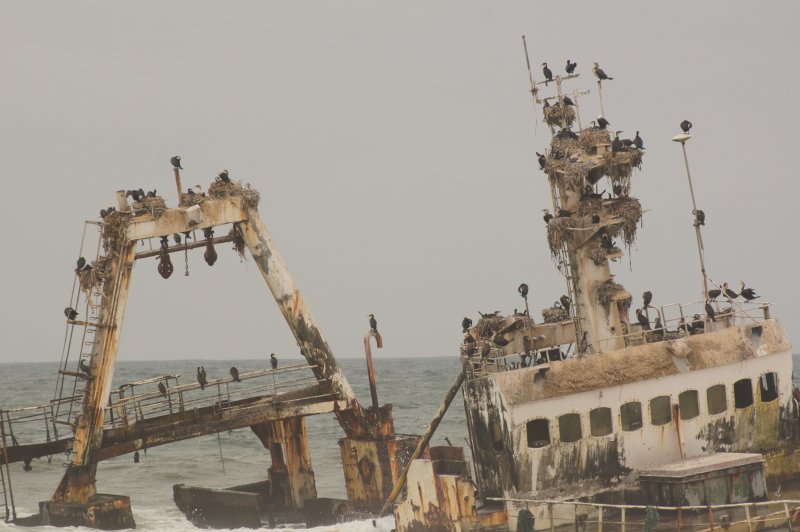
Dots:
pixel 630 414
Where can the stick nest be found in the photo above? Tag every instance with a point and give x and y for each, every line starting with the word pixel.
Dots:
pixel 488 325
pixel 152 205
pixel 591 137
pixel 555 114
pixel 238 241
pixel 630 210
pixel 555 314
pixel 188 200
pixel 621 164
pixel 557 234
pixel 222 190
pixel 606 292
pixel 115 226
pixel 99 274
pixel 563 148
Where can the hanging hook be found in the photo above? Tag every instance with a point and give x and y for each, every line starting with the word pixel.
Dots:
pixel 165 267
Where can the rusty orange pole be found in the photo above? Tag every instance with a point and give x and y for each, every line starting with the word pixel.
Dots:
pixel 178 182
pixel 370 366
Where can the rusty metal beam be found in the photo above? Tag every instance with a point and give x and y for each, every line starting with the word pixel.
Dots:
pixel 183 247
pixel 212 212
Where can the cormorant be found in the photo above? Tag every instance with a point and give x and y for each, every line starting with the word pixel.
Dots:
pixel 570 68
pixel 466 323
pixel 547 216
pixel 134 195
pixel 177 238
pixel 713 294
pixel 683 326
pixel 748 293
pixel 80 264
pixel 647 297
pixel 235 374
pixel 730 294
pixel 643 320
pixel 617 188
pixel 87 268
pixel 500 340
pixel 686 126
pixel 616 144
pixel 273 361
pixel 523 290
pixel 470 349
pixel 595 219
pixel 190 191
pixel 469 339
pixel 223 176
pixel 84 367
pixel 699 218
pixel 373 323
pixel 542 160
pixel 201 377
pixel 486 349
pixel 698 325
pixel 564 213
pixel 599 72
pixel 70 313
pixel 565 302
pixel 627 143
pixel 176 162
pixel 602 123
pixel 162 389
pixel 606 241
pixel 566 100
pixel 151 193
pixel 638 142
pixel 548 74
pixel 136 457
pixel 710 312
pixel 103 213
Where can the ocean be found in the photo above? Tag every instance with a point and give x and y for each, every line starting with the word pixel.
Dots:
pixel 415 386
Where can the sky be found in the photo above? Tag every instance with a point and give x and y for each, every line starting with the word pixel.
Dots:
pixel 394 148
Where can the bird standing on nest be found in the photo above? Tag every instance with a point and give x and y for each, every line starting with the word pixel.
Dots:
pixel 548 74
pixel 638 142
pixel 176 162
pixel 616 144
pixel 466 323
pixel 567 101
pixel 547 216
pixel 599 73
pixel 223 176
pixel 80 264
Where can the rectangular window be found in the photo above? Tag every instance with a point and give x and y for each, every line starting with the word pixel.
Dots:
pixel 768 384
pixel 631 416
pixel 600 421
pixel 538 433
pixel 743 393
pixel 689 404
pixel 715 397
pixel 660 410
pixel 569 428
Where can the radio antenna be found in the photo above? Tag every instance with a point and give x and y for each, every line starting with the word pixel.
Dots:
pixel 533 89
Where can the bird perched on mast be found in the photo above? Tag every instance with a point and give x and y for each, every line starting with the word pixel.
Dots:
pixel 699 218
pixel 523 290
pixel 570 68
pixel 598 72
pixel 686 126
pixel 373 323
pixel 647 298
pixel 542 160
pixel 176 162
pixel 565 302
pixel 70 313
pixel 466 323
pixel 547 216
pixel 548 74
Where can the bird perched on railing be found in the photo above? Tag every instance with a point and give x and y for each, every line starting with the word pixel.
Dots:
pixel 466 323
pixel 710 312
pixel 162 389
pixel 273 361
pixel 713 294
pixel 748 293
pixel 548 74
pixel 686 126
pixel 235 374
pixel 176 162
pixel 730 294
pixel 570 68
pixel 201 377
pixel 643 320
pixel 373 323
pixel 599 73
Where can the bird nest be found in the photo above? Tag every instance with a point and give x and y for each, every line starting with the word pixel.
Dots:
pixel 238 241
pixel 153 205
pixel 115 227
pixel 222 190
pixel 563 147
pixel 590 206
pixel 188 200
pixel 621 164
pixel 630 211
pixel 555 314
pixel 557 234
pixel 606 293
pixel 99 273
pixel 570 174
pixel 591 137
pixel 557 115
pixel 488 325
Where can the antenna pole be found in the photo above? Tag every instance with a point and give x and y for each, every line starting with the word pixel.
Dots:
pixel 696 225
pixel 534 90
pixel 178 182
pixel 600 92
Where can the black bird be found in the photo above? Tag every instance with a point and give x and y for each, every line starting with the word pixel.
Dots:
pixel 627 143
pixel 699 218
pixel 748 293
pixel 565 302
pixel 500 340
pixel 469 339
pixel 638 142
pixel 223 176
pixel 486 349
pixel 607 242
pixel 647 297
pixel 595 219
pixel 566 100
pixel 162 389
pixel 177 238
pixel 80 264
pixel 151 193
pixel 70 313
pixel 523 290
pixel 133 194
pixel 698 325
pixel 87 268
pixel 547 216
pixel 617 188
pixel 542 160
pixel 84 367
pixel 103 213
pixel 602 123
pixel 176 162
pixel 235 374
pixel 683 326
pixel 548 74
pixel 373 323
pixel 713 294
pixel 136 457
pixel 599 72
pixel 201 377
pixel 644 321
pixel 563 213
pixel 686 126
pixel 616 144
pixel 470 349
pixel 190 191
pixel 466 323
pixel 570 68
pixel 710 312
pixel 730 294
pixel 273 361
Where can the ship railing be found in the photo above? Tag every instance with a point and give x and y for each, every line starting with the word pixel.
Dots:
pixel 223 394
pixel 36 424
pixel 575 515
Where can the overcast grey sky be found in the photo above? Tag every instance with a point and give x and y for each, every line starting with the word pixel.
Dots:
pixel 393 145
